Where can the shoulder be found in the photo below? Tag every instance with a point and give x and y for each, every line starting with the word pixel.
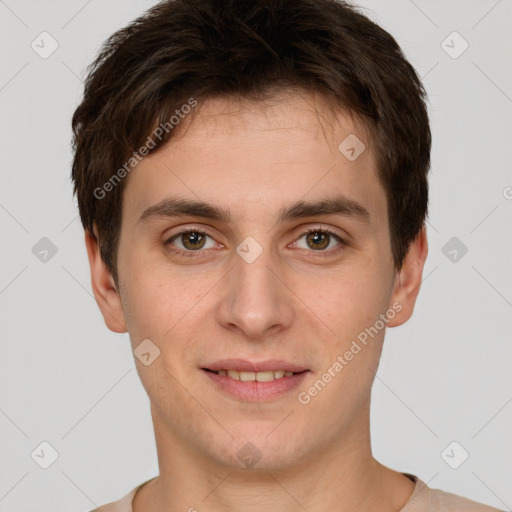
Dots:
pixel 425 499
pixel 441 500
pixel 124 504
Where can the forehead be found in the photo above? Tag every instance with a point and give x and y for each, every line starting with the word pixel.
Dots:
pixel 301 114
pixel 247 154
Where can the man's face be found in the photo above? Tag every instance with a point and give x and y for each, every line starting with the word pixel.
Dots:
pixel 256 291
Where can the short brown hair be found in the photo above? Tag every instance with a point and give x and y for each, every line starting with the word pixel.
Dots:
pixel 203 48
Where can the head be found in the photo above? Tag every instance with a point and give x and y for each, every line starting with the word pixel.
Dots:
pixel 290 138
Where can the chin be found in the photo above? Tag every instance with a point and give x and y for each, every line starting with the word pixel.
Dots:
pixel 256 449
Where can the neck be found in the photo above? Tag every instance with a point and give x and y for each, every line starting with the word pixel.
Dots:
pixel 341 477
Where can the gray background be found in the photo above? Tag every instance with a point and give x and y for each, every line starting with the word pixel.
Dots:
pixel 65 379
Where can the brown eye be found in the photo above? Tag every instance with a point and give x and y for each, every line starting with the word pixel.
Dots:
pixel 191 240
pixel 317 240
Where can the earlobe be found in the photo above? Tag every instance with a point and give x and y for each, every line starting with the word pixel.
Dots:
pixel 103 286
pixel 408 279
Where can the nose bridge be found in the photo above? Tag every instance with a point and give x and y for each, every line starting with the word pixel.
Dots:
pixel 255 300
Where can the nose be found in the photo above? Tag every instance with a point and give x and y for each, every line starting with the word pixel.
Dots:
pixel 256 300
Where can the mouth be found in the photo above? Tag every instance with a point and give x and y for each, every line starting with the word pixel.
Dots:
pixel 250 381
pixel 254 376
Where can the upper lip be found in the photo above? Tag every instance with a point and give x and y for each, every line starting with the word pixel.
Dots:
pixel 255 366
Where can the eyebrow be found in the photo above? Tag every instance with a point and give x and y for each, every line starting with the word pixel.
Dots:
pixel 176 207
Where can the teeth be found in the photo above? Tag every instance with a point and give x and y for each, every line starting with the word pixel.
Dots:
pixel 264 376
pixel 247 376
pixel 255 376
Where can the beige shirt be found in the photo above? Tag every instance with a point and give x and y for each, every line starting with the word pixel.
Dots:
pixel 423 499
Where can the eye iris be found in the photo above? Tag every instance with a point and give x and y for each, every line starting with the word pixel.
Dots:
pixel 317 237
pixel 190 239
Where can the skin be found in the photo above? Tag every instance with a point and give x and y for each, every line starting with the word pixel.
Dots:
pixel 294 302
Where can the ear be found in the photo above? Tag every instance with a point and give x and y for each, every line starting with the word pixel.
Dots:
pixel 408 279
pixel 103 286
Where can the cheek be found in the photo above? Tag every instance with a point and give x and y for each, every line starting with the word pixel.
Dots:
pixel 155 296
pixel 168 307
pixel 353 299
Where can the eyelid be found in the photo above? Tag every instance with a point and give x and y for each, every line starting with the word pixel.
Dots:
pixel 181 252
pixel 342 235
pixel 203 230
pixel 342 242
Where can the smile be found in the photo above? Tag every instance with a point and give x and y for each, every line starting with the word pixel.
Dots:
pixel 254 381
pixel 255 376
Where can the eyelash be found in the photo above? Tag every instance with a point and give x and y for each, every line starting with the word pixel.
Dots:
pixel 201 253
pixel 329 252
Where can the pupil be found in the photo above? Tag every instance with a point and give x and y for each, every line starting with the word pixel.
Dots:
pixel 317 237
pixel 193 240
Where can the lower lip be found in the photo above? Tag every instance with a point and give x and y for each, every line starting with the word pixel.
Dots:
pixel 253 391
